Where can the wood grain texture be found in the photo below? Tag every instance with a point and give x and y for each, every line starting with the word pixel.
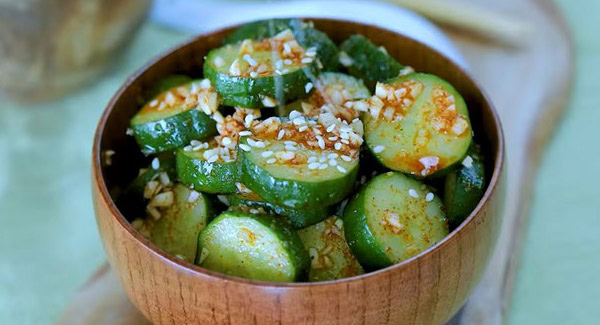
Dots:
pixel 426 289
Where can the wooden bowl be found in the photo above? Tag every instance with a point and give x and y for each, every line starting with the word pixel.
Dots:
pixel 426 289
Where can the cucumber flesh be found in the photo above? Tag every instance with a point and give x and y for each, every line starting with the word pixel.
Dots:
pixel 334 92
pixel 300 169
pixel 298 218
pixel 304 32
pixel 331 258
pixel 171 119
pixel 417 124
pixel 464 187
pixel 367 61
pixel 392 218
pixel 252 246
pixel 261 73
pixel 176 232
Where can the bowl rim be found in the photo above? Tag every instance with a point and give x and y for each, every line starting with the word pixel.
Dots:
pixel 184 266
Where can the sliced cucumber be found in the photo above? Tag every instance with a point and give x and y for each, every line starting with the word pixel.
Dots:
pixel 176 232
pixel 296 171
pixel 464 187
pixel 132 200
pixel 299 218
pixel 258 73
pixel 305 33
pixel 252 246
pixel 170 120
pixel 334 90
pixel 392 218
pixel 417 124
pixel 166 84
pixel 367 61
pixel 331 258
pixel 200 169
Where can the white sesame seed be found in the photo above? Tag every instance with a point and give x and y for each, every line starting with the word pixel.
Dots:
pixel 253 74
pixel 308 87
pixel 341 169
pixel 245 133
pixel 378 149
pixel 332 162
pixel 313 165
pixel 346 158
pixel 323 166
pixel 129 131
pixel 303 128
pixel 251 142
pixel 193 196
pixel 321 142
pixel 250 60
pixel 187 148
pixel 195 143
pixel 332 156
pixel 226 141
pixel 345 141
pixel 155 163
pixel 290 147
pixel 245 147
pixel 218 61
pixel 288 155
pixel 331 128
pixel 312 159
pixel 267 154
pixel 259 144
pixel 287 62
pixel 248 120
pixel 413 193
pixel 269 101
pixel 306 60
pixel 294 114
pixel 468 162
pixel 235 68
pixel 337 146
pixel 299 121
pixel 280 134
pixel 429 197
pixel 154 103
pixel 286 70
pixel 271 161
pixel 345 60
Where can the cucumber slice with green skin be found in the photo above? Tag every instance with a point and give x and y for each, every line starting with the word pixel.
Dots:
pixel 132 201
pixel 392 218
pixel 335 90
pixel 298 218
pixel 218 176
pixel 166 84
pixel 252 246
pixel 331 258
pixel 417 124
pixel 250 74
pixel 305 33
pixel 176 232
pixel 170 120
pixel 367 61
pixel 464 187
pixel 293 182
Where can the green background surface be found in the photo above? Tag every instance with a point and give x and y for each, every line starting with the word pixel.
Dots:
pixel 49 243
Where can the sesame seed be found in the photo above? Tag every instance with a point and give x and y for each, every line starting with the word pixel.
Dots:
pixel 226 141
pixel 468 162
pixel 332 162
pixel 267 154
pixel 308 87
pixel 245 147
pixel 345 141
pixel 218 61
pixel 193 196
pixel 313 165
pixel 323 159
pixel 294 114
pixel 245 133
pixel 346 158
pixel 271 161
pixel 155 163
pixel 345 60
pixel 312 159
pixel 154 103
pixel 429 197
pixel 303 128
pixel 287 62
pixel 129 131
pixel 321 142
pixel 235 68
pixel 378 149
pixel 187 148
pixel 413 193
pixel 290 147
pixel 253 74
pixel 332 138
pixel 251 142
pixel 323 166
pixel 331 128
pixel 306 60
pixel 248 120
pixel 259 144
pixel 280 134
pixel 337 146
pixel 269 101
pixel 341 169
pixel 288 155
pixel 250 60
pixel 299 121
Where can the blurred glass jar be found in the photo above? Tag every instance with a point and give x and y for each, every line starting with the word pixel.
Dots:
pixel 48 47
